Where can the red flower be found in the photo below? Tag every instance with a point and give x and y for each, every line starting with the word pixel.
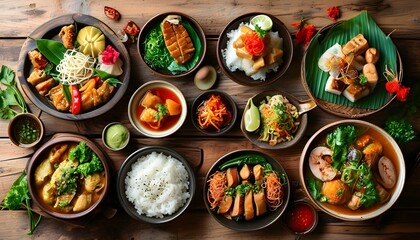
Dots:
pixel 305 32
pixel 333 13
pixel 392 86
pixel 109 56
pixel 402 93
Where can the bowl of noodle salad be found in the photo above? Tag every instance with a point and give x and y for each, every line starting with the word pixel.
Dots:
pixel 74 67
pixel 283 119
pixel 246 190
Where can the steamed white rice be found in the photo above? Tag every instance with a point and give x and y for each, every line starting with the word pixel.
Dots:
pixel 157 185
pixel 233 62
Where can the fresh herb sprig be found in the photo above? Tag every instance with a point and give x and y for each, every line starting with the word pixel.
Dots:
pixel 19 196
pixel 10 95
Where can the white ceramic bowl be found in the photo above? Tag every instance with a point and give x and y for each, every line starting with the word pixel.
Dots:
pixel 390 143
pixel 135 101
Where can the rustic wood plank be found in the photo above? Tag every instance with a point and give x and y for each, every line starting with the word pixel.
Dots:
pixel 26 15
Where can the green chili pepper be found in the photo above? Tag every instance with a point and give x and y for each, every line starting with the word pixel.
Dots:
pixel 251 159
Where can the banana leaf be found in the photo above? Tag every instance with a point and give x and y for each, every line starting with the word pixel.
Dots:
pixel 341 33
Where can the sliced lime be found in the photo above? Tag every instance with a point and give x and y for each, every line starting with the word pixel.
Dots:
pixel 263 21
pixel 252 117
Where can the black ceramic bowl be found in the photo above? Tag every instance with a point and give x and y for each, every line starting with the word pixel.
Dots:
pixel 229 103
pixel 239 76
pixel 43 153
pixel 258 222
pixel 50 30
pixel 156 20
pixel 126 167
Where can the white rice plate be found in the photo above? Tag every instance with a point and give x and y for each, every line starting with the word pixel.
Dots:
pixel 157 185
pixel 233 62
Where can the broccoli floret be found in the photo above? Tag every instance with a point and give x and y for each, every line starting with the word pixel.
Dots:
pixel 82 153
pixel 95 165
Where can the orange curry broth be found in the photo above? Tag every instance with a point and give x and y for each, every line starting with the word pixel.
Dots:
pixel 388 151
pixel 170 121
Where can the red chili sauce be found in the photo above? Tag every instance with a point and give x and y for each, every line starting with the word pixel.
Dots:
pixel 162 93
pixel 300 218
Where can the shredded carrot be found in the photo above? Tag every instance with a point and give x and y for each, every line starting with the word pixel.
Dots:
pixel 274 191
pixel 213 112
pixel 216 191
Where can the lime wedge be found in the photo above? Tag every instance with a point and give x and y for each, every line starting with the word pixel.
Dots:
pixel 252 117
pixel 263 21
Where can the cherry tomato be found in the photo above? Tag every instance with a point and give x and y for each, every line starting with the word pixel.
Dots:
pixel 112 13
pixel 300 218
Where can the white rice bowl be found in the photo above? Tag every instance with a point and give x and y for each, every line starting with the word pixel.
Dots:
pixel 157 185
pixel 233 62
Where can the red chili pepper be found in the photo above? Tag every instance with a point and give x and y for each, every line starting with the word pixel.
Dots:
pixel 402 93
pixel 333 13
pixel 305 32
pixel 131 29
pixel 253 44
pixel 112 13
pixel 76 100
pixel 392 86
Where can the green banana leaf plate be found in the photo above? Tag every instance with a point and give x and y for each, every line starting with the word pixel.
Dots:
pixel 314 78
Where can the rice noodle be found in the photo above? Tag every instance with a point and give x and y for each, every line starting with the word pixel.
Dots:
pixel 75 68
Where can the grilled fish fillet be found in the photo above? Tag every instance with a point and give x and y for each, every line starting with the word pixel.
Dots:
pixel 177 41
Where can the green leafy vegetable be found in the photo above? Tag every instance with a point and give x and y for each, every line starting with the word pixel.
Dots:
pixel 52 50
pixel 161 111
pixel 89 161
pixel 63 204
pixel 401 130
pixel 261 33
pixel 155 53
pixel 339 141
pixel 362 79
pixel 81 152
pixel 314 186
pixel 9 94
pixel 95 165
pixel 103 75
pixel 66 183
pixel 251 159
pixel 114 81
pixel 243 188
pixel 18 196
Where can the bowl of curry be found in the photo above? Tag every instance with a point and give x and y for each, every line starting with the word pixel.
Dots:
pixel 68 177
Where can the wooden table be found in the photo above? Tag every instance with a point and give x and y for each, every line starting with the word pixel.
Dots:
pixel 19 18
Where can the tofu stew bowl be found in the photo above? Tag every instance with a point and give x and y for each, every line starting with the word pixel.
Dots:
pixel 155 184
pixel 364 177
pixel 246 190
pixel 68 177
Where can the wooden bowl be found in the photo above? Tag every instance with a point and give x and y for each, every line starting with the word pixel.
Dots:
pixel 229 103
pixel 50 30
pixel 258 222
pixel 42 153
pixel 127 167
pixel 239 76
pixel 154 21
pixel 388 143
pixel 337 109
pixel 302 107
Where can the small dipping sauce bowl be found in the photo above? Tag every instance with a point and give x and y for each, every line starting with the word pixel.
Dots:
pixel 301 218
pixel 115 136
pixel 25 130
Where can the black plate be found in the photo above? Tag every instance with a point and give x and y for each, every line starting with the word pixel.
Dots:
pixel 50 30
pixel 239 76
pixel 259 222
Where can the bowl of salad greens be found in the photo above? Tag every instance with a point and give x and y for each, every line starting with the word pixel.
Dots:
pixel 172 44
